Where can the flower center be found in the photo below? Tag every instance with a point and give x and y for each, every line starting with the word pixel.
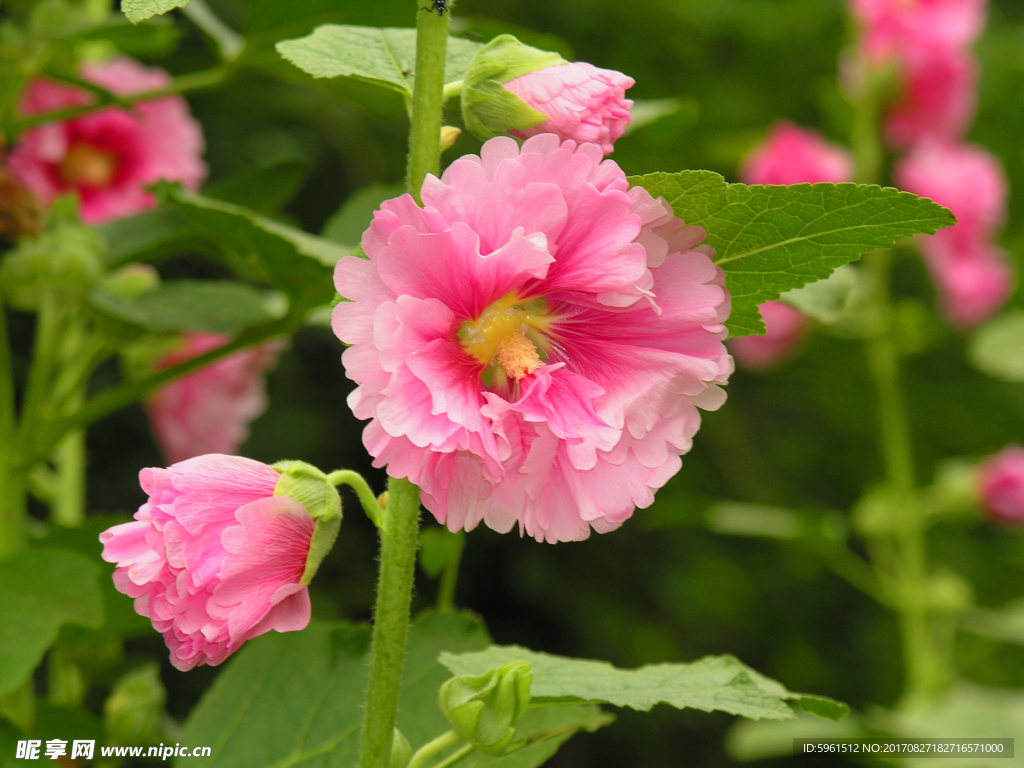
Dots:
pixel 508 338
pixel 87 166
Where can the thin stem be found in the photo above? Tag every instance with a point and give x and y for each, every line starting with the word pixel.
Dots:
pixel 390 622
pixel 449 580
pixel 10 508
pixel 435 747
pixel 68 506
pixel 181 84
pixel 427 99
pixel 368 501
pixel 451 90
pixel 855 571
pixel 229 43
pixel 456 757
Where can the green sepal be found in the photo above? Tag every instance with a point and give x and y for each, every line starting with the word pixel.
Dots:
pixel 488 109
pixel 484 709
pixel 311 488
pixel 401 752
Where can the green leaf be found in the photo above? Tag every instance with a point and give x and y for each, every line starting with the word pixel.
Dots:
pixel 9 738
pixel 260 249
pixel 438 546
pixel 39 591
pixel 770 240
pixel 212 306
pixel 714 683
pixel 1005 624
pixel 353 218
pixel 153 235
pixel 384 57
pixel 154 39
pixel 263 190
pixel 750 740
pixel 827 300
pixel 997 349
pixel 545 730
pixel 140 10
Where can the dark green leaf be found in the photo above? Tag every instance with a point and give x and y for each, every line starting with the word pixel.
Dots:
pixel 153 235
pixel 263 190
pixel 997 349
pixel 438 546
pixel 39 591
pixel 154 38
pixel 714 683
pixel 384 57
pixel 9 738
pixel 773 239
pixel 212 306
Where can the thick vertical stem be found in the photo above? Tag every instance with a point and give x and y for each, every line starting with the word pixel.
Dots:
pixel 12 482
pixel 427 99
pixel 390 621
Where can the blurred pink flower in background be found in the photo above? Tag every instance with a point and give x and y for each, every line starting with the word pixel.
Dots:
pixel 209 411
pixel 973 275
pixel 1001 484
pixel 937 100
pixel 583 103
pixel 784 328
pixel 213 558
pixel 793 155
pixel 974 278
pixel 108 156
pixel 907 27
pixel 533 344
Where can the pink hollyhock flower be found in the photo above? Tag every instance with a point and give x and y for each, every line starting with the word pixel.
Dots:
pixel 532 345
pixel 905 27
pixel 213 557
pixel 792 155
pixel 966 179
pixel 974 278
pixel 937 100
pixel 784 328
pixel 108 156
pixel 583 103
pixel 1001 482
pixel 209 411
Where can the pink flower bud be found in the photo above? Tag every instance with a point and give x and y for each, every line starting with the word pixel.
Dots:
pixel 209 411
pixel 583 103
pixel 213 558
pixel 784 328
pixel 967 179
pixel 108 156
pixel 1001 483
pixel 974 278
pixel 792 155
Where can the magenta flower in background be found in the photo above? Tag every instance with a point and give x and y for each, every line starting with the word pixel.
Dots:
pixel 583 103
pixel 937 100
pixel 209 411
pixel 532 345
pixel 1001 484
pixel 213 558
pixel 793 155
pixel 898 28
pixel 784 328
pixel 973 275
pixel 108 156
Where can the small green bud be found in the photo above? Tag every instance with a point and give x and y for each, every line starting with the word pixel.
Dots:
pixel 63 261
pixel 488 109
pixel 950 593
pixel 485 709
pixel 127 282
pixel 311 488
pixel 401 752
pixel 134 711
pixel 131 280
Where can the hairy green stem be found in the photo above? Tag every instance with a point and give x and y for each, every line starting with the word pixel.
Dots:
pixel 427 99
pixel 435 747
pixel 390 622
pixel 368 501
pixel 181 84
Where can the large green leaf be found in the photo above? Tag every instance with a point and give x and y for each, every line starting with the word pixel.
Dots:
pixel 153 235
pixel 261 249
pixel 773 239
pixel 39 591
pixel 140 10
pixel 384 57
pixel 263 190
pixel 714 683
pixel 997 349
pixel 213 306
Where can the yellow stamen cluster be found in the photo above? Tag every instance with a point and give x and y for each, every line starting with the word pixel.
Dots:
pixel 508 337
pixel 88 166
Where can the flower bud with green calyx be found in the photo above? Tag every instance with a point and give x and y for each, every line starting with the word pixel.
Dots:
pixel 311 488
pixel 485 709
pixel 488 109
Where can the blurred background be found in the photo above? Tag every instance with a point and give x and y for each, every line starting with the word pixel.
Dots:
pixel 665 587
